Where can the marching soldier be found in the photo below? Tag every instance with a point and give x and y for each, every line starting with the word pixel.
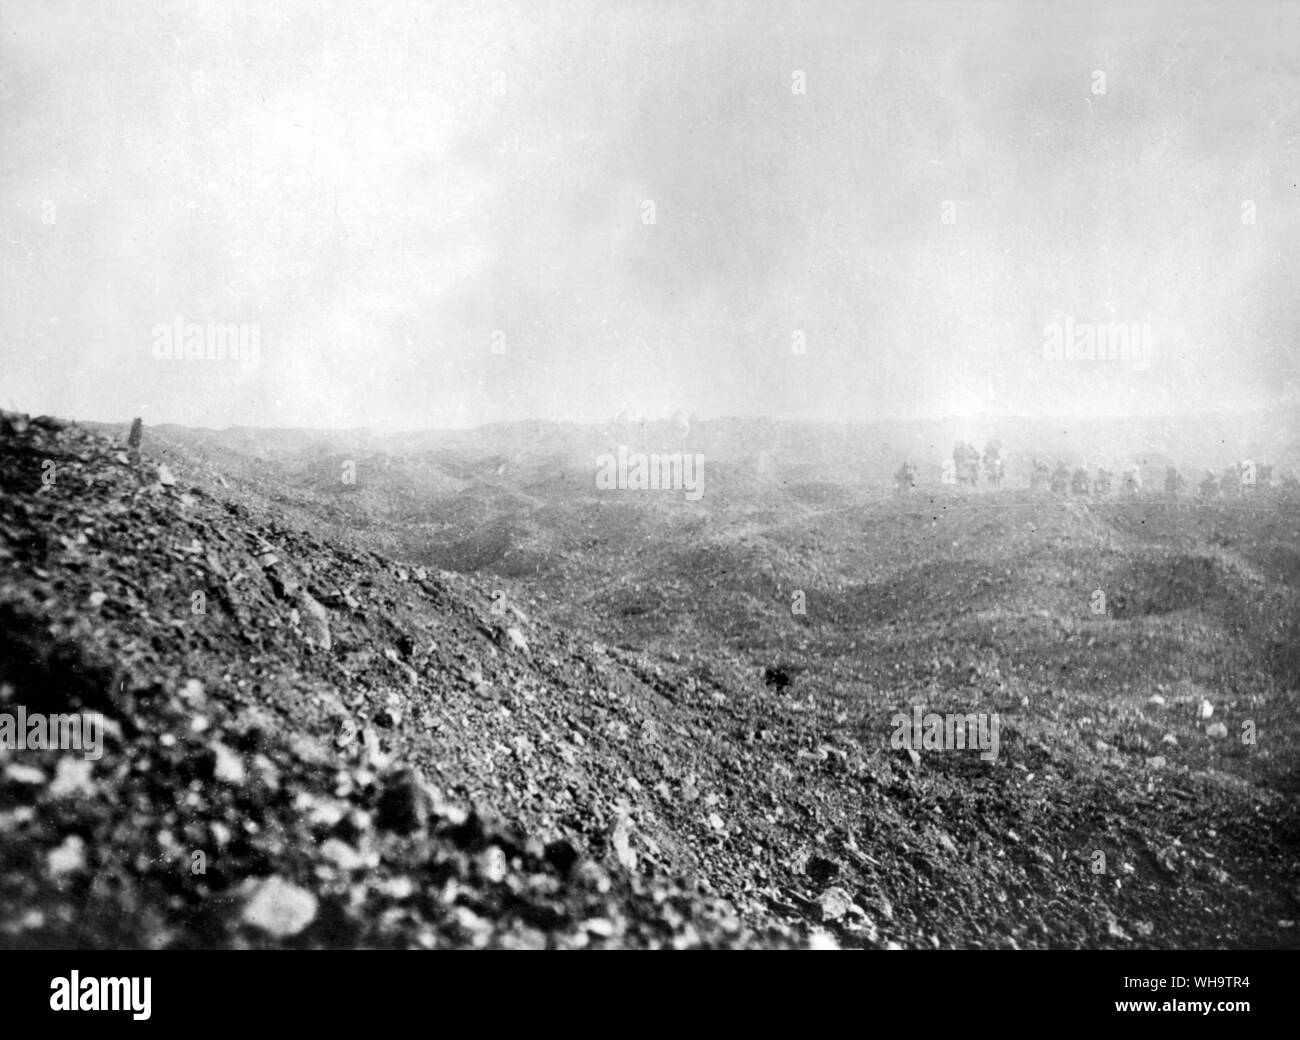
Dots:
pixel 905 478
pixel 1060 479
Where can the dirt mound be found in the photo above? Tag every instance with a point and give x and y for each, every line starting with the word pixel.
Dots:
pixel 304 733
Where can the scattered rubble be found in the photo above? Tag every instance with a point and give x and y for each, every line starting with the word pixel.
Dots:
pixel 309 743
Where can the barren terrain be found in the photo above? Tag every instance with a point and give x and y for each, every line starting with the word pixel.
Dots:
pixel 455 695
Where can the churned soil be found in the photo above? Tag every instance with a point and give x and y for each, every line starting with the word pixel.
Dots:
pixel 309 741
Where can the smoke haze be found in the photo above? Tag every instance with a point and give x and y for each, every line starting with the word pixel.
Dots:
pixel 859 211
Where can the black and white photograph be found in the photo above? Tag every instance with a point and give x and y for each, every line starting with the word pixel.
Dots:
pixel 580 475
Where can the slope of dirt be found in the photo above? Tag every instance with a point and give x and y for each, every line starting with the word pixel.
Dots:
pixel 236 732
pixel 311 743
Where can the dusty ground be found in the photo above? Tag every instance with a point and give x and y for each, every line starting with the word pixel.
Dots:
pixel 541 717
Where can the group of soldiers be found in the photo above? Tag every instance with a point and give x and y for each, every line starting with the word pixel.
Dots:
pixel 963 469
pixel 1239 479
pixel 1078 482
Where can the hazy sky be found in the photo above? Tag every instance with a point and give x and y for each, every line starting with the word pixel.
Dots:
pixel 381 187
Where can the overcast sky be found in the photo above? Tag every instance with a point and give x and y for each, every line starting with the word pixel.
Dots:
pixel 381 187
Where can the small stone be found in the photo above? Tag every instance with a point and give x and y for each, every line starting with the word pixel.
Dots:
pixel 1156 700
pixel 1206 709
pixel 375 755
pixel 316 626
pixel 621 840
pixel 1156 762
pixel 835 903
pixel 342 855
pixel 16 818
pixel 72 776
pixel 267 768
pixel 24 774
pixel 165 477
pixel 346 735
pixel 29 921
pixel 492 864
pixel 1169 739
pixel 68 857
pixel 860 921
pixel 476 927
pixel 278 907
pixel 322 812
pixel 397 888
pixel 1216 730
pixel 229 767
